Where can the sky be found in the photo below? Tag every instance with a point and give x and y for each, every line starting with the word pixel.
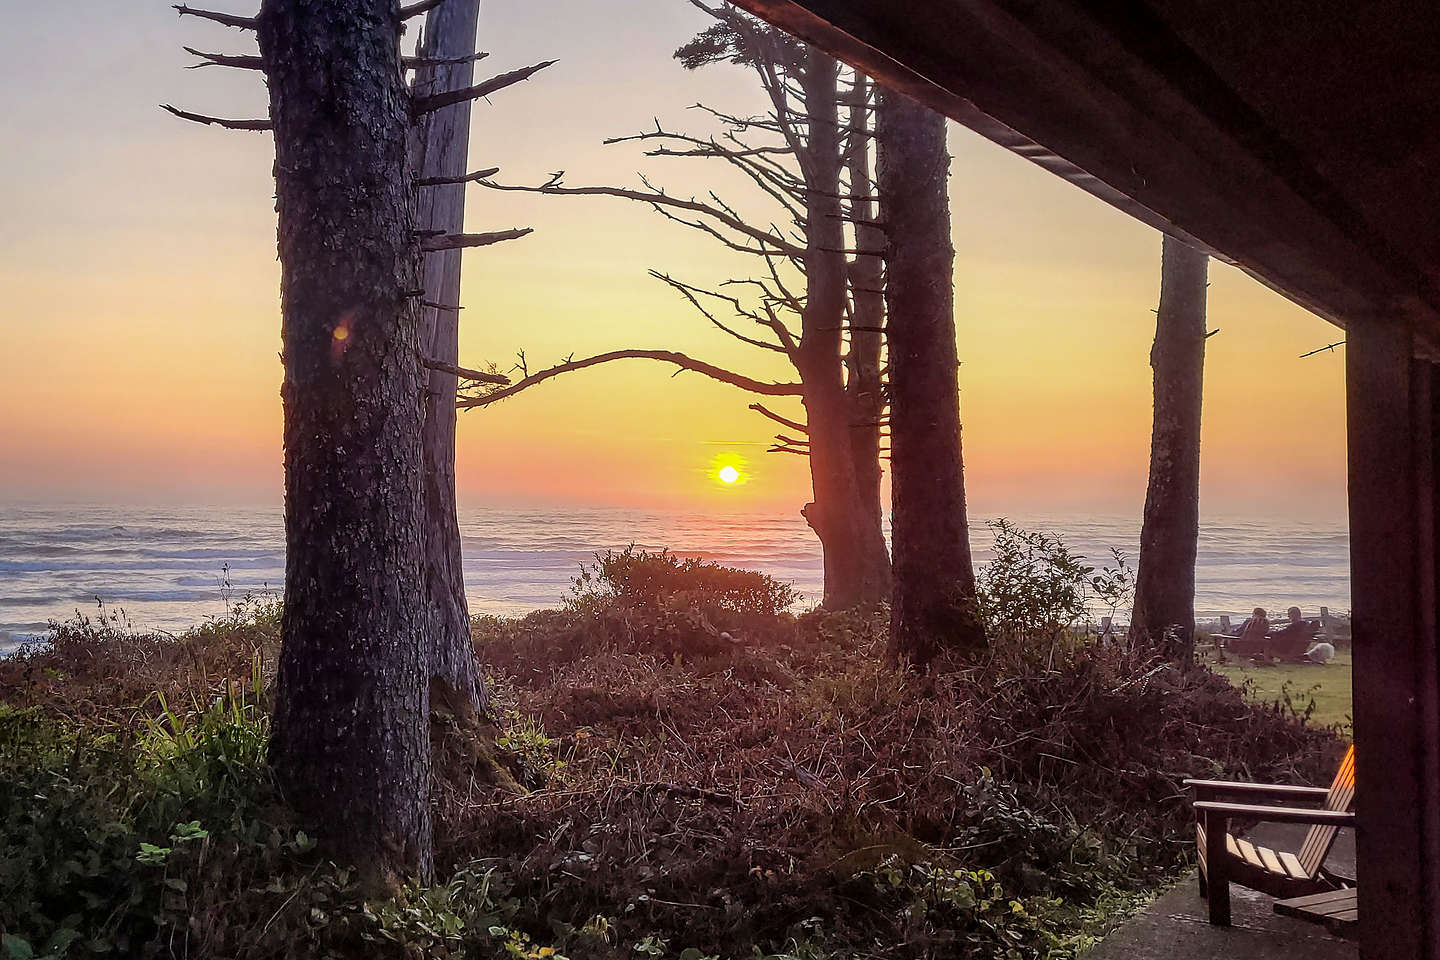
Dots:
pixel 140 319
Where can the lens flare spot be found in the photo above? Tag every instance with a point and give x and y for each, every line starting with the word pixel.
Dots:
pixel 342 333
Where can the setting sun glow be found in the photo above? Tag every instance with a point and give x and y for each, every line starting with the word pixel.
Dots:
pixel 728 470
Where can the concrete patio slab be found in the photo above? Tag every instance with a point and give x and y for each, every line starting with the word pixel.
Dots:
pixel 1175 927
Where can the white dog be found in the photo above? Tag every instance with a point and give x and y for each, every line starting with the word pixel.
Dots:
pixel 1320 653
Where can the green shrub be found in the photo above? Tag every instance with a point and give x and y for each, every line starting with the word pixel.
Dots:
pixel 639 579
pixel 673 606
pixel 1035 590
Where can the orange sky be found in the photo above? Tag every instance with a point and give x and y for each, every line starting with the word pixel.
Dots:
pixel 141 322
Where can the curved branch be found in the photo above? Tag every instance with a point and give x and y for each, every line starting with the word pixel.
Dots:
pixel 765 411
pixel 689 293
pixel 659 200
pixel 478 376
pixel 664 356
pixel 218 121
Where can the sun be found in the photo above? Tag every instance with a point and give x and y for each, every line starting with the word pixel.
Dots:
pixel 728 470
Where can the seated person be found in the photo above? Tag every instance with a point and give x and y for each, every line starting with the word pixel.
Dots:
pixel 1250 639
pixel 1291 642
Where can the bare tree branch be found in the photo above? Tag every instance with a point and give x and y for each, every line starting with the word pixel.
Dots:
pixel 765 411
pixel 478 376
pixel 241 61
pixel 460 241
pixel 218 121
pixel 660 200
pixel 475 177
pixel 228 19
pixel 1329 346
pixel 791 342
pixel 788 298
pixel 415 63
pixel 435 101
pixel 689 292
pixel 415 9
pixel 664 356
pixel 780 449
pixel 739 123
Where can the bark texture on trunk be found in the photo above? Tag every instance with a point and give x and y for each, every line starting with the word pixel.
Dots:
pixel 867 296
pixel 857 568
pixel 933 603
pixel 1164 612
pixel 440 148
pixel 350 745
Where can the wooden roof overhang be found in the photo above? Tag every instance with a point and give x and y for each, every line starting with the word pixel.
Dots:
pixel 1298 139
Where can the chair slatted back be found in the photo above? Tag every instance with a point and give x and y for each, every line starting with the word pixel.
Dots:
pixel 1342 797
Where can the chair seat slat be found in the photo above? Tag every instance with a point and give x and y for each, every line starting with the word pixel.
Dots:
pixel 1292 865
pixel 1272 862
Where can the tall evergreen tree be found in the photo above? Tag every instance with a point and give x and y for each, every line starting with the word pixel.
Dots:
pixel 1164 611
pixel 933 602
pixel 350 745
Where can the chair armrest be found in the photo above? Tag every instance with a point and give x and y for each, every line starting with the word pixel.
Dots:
pixel 1330 818
pixel 1207 789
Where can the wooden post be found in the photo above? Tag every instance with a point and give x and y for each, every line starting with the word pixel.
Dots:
pixel 1391 426
pixel 1224 624
pixel 1325 622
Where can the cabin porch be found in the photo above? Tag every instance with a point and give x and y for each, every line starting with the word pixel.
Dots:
pixel 1298 142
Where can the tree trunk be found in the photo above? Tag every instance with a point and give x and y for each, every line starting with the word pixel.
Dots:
pixel 1164 612
pixel 350 746
pixel 933 605
pixel 856 566
pixel 440 148
pixel 867 296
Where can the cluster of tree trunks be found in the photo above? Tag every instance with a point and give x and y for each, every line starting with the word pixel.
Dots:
pixel 370 336
pixel 819 174
pixel 857 568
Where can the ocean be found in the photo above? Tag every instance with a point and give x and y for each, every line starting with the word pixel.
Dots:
pixel 168 568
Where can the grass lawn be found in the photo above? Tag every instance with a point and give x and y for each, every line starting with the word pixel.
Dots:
pixel 1328 686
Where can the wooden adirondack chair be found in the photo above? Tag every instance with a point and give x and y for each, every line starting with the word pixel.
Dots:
pixel 1226 859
